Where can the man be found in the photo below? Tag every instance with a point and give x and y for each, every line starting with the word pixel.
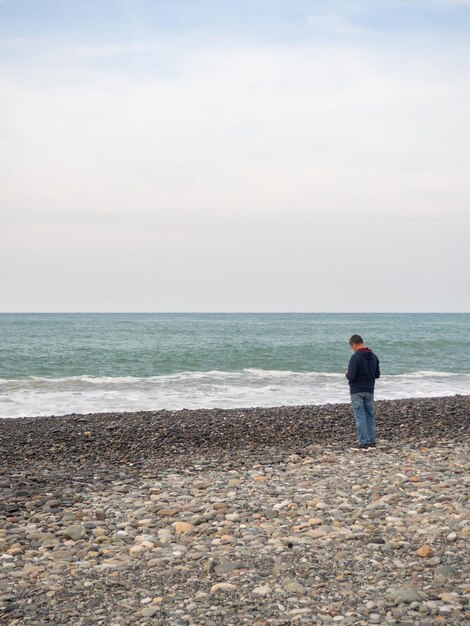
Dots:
pixel 362 371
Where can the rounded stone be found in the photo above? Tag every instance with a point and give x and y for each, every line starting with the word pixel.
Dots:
pixel 75 532
pixel 223 587
pixel 425 551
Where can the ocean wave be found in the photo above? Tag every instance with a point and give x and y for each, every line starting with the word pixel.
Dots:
pixel 210 389
pixel 428 373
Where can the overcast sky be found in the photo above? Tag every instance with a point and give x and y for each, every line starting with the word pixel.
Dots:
pixel 221 155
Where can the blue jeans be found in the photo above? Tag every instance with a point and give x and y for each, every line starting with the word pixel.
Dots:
pixel 364 414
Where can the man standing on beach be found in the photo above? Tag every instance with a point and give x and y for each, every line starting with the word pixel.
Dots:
pixel 362 371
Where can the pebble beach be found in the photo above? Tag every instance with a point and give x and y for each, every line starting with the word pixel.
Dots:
pixel 227 517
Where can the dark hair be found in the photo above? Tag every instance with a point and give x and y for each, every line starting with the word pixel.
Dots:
pixel 355 339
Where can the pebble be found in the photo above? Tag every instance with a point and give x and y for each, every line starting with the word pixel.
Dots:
pixel 75 532
pixel 262 590
pixel 183 527
pixel 425 551
pixel 301 531
pixel 223 587
pixel 150 611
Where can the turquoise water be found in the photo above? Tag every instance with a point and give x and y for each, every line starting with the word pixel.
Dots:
pixel 88 362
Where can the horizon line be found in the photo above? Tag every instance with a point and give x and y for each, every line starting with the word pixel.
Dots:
pixel 195 312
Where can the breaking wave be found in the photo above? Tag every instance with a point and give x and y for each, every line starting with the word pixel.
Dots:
pixel 36 396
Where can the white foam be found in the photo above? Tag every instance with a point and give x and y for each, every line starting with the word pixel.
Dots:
pixel 244 388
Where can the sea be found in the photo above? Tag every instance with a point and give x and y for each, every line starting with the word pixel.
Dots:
pixel 57 364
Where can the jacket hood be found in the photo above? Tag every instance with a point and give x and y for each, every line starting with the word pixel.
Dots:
pixel 366 353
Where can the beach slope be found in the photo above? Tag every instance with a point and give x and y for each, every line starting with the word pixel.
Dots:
pixel 249 516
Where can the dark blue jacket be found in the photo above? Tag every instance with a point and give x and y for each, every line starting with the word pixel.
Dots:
pixel 363 369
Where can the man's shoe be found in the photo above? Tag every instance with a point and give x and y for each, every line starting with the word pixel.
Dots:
pixel 360 446
pixel 372 445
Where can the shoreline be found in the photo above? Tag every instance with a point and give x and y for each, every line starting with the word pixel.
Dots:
pixel 263 517
pixel 324 405
pixel 150 436
pixel 247 388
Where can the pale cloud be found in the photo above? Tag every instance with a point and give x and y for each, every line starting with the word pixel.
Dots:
pixel 302 128
pixel 227 173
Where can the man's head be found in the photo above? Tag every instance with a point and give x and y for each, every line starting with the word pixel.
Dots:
pixel 356 342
